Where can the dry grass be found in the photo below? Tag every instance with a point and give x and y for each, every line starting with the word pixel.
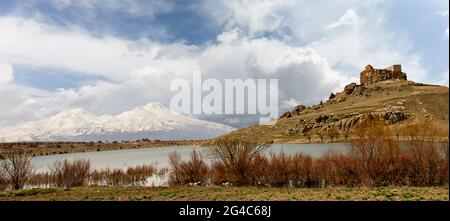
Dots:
pixel 218 193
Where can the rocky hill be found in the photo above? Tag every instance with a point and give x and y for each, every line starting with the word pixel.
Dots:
pixel 384 97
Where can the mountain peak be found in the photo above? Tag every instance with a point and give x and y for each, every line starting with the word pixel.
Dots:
pixel 76 111
pixel 152 120
pixel 154 105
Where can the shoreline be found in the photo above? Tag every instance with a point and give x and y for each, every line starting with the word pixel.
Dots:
pixel 46 148
pixel 43 148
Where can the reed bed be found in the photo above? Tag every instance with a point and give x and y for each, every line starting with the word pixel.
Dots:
pixel 79 173
pixel 373 160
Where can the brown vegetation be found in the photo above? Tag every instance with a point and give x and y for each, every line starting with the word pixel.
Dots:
pixel 193 172
pixel 16 167
pixel 134 176
pixel 234 160
pixel 374 159
pixel 69 174
pixel 79 173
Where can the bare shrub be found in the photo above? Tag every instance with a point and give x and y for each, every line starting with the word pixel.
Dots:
pixel 279 169
pixel 69 174
pixel 337 169
pixel 4 183
pixel 427 154
pixel 116 177
pixel 259 171
pixel 234 159
pixel 17 167
pixel 174 161
pixel 220 174
pixel 98 176
pixel 424 165
pixel 184 172
pixel 40 180
pixel 302 171
pixel 162 172
pixel 443 166
pixel 377 156
pixel 138 175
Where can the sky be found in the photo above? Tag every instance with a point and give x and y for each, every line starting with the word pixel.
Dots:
pixel 109 56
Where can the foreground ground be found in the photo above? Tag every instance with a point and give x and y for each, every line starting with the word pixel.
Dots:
pixel 230 193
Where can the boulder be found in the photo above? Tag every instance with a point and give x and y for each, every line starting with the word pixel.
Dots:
pixel 359 90
pixel 298 109
pixel 348 89
pixel 286 115
pixel 332 95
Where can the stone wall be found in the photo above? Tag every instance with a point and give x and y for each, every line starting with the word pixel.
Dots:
pixel 371 75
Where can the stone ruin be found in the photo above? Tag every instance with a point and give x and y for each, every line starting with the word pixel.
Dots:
pixel 371 75
pixel 390 115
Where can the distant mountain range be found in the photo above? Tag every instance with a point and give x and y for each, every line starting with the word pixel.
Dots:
pixel 152 121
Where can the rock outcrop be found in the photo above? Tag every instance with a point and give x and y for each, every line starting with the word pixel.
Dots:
pixel 348 89
pixel 371 75
pixel 347 122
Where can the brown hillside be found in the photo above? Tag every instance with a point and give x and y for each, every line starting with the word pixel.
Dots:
pixel 384 98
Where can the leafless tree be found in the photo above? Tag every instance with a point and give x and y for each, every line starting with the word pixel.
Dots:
pixel 308 135
pixel 332 133
pixel 17 166
pixel 320 136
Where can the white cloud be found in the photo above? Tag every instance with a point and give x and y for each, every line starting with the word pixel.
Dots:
pixel 444 14
pixel 252 16
pixel 133 7
pixel 29 42
pixel 6 73
pixel 309 65
pixel 348 18
pixel 363 37
pixel 141 71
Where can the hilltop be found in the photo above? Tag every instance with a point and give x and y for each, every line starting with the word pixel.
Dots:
pixel 383 97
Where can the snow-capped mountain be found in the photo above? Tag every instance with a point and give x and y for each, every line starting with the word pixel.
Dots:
pixel 153 121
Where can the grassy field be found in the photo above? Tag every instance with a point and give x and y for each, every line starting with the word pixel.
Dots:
pixel 231 193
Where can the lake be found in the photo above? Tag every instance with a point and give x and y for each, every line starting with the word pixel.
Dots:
pixel 160 155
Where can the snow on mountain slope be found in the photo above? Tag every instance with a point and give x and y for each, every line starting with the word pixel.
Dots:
pixel 153 121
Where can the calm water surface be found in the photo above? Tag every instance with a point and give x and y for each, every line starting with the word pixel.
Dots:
pixel 160 155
